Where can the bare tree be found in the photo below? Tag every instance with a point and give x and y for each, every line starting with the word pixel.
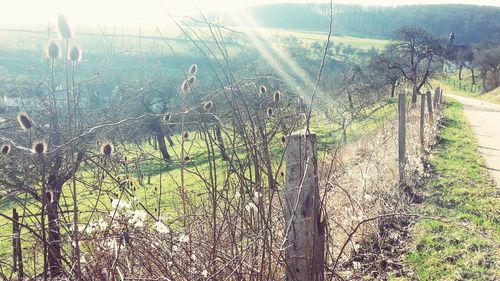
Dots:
pixel 411 53
pixel 487 58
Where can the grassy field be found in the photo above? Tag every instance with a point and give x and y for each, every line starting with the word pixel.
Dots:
pixel 451 87
pixel 492 96
pixel 463 245
pixel 153 40
pixel 310 37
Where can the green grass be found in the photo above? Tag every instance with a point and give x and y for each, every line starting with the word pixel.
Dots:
pixel 492 96
pixel 465 85
pixel 464 244
pixel 309 37
pixel 462 88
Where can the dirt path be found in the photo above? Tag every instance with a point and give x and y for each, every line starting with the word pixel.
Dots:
pixel 484 118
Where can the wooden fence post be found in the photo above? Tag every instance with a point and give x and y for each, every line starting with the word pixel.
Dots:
pixel 436 97
pixel 401 136
pixel 429 104
pixel 304 230
pixel 441 97
pixel 17 255
pixel 422 118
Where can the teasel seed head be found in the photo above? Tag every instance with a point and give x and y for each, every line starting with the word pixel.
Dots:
pixel 52 50
pixel 165 119
pixel 75 54
pixel 39 147
pixel 262 89
pixel 185 135
pixel 302 118
pixel 185 87
pixel 208 105
pixel 49 196
pixel 191 80
pixel 269 111
pixel 6 148
pixel 193 69
pixel 63 28
pixel 107 149
pixel 24 120
pixel 277 96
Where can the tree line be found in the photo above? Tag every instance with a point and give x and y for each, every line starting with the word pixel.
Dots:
pixel 469 22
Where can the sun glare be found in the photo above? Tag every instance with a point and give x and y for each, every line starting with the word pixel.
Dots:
pixel 151 12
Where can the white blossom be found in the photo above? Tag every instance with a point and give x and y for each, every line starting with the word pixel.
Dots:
pixel 257 195
pixel 136 218
pixel 90 228
pixel 102 224
pixel 119 204
pixel 183 238
pixel 251 206
pixel 162 228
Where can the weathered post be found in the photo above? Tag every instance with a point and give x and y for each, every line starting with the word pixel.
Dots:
pixel 304 230
pixel 429 104
pixel 441 100
pixel 422 118
pixel 17 255
pixel 436 97
pixel 401 136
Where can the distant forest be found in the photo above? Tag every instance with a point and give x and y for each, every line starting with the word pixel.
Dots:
pixel 470 23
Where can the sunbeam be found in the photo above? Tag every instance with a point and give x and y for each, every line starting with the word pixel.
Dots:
pixel 281 62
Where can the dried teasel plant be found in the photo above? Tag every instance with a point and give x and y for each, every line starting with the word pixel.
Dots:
pixel 52 50
pixel 193 69
pixel 75 54
pixel 24 120
pixel 208 105
pixel 269 111
pixel 49 196
pixel 39 147
pixel 185 87
pixel 277 96
pixel 191 80
pixel 262 89
pixel 6 149
pixel 165 119
pixel 63 28
pixel 107 149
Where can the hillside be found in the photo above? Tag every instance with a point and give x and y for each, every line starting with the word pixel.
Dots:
pixel 469 22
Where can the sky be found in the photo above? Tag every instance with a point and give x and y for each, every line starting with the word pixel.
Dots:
pixel 150 12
